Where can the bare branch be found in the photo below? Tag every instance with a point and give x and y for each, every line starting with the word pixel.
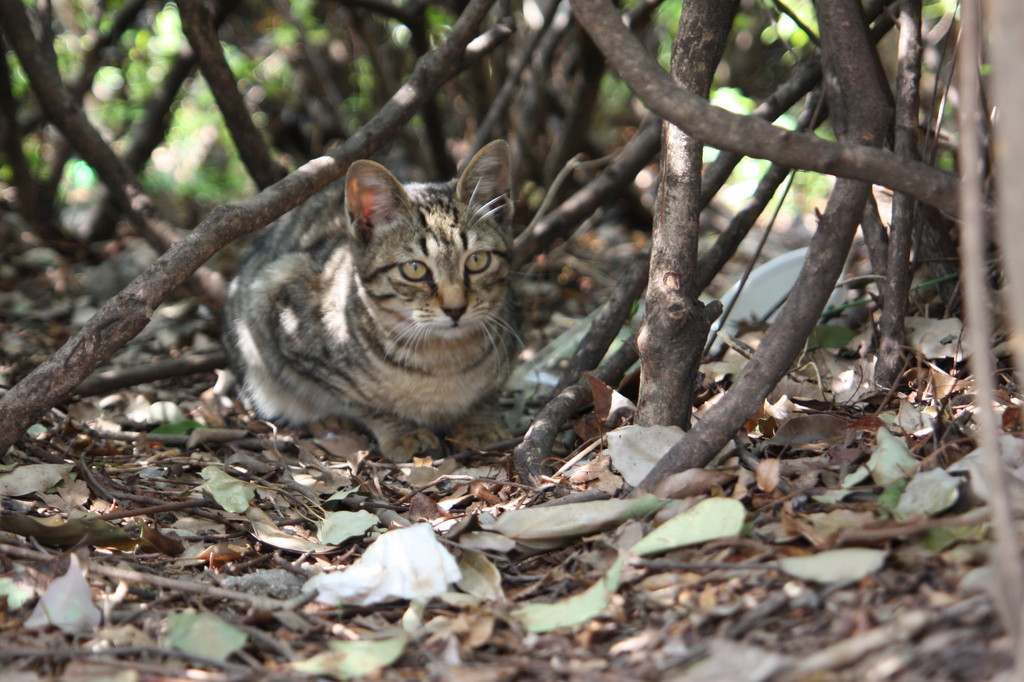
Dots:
pixel 198 26
pixel 528 457
pixel 751 136
pixel 849 67
pixel 607 186
pixel 897 281
pixel 676 323
pixel 111 380
pixel 712 260
pixel 607 322
pixel 1008 21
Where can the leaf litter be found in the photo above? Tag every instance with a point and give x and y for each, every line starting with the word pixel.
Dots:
pixel 843 536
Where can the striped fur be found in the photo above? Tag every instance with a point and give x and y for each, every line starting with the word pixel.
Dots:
pixel 383 303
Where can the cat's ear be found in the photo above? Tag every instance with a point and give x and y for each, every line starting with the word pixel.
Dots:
pixel 485 182
pixel 373 197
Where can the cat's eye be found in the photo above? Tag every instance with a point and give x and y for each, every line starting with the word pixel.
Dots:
pixel 414 271
pixel 478 261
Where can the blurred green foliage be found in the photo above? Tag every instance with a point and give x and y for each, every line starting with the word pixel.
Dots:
pixel 303 62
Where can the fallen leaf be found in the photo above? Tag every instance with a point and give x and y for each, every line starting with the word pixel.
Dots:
pixel 337 527
pixel 204 634
pixel 936 338
pixel 57 532
pixel 891 460
pixel 31 478
pixel 267 531
pixel 768 474
pixel 168 413
pixel 610 406
pixel 928 493
pixel 835 566
pixel 357 658
pixel 811 428
pixel 16 591
pixel 230 493
pixel 732 660
pixel 562 521
pixel 152 539
pixel 486 541
pixel 827 524
pixel 480 577
pixel 636 449
pixel 691 482
pixel 715 517
pixel 574 610
pixel 67 603
pixel 71 495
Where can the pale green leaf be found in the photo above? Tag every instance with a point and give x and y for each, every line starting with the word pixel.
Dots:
pixel 349 659
pixel 17 593
pixel 574 610
pixel 891 460
pixel 835 566
pixel 715 517
pixel 337 527
pixel 204 634
pixel 230 493
pixel 927 494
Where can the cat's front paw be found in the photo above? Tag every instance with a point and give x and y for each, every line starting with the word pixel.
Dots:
pixel 413 443
pixel 478 435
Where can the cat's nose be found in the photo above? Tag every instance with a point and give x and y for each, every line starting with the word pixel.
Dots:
pixel 454 313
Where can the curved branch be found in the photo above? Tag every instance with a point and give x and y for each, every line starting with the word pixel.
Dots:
pixel 753 136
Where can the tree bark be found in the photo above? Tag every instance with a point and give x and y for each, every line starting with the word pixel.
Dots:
pixel 1006 53
pixel 901 227
pixel 676 324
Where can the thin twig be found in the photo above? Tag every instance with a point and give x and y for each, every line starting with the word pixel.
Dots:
pixel 112 380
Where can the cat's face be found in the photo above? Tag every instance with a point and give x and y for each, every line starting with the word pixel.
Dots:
pixel 434 259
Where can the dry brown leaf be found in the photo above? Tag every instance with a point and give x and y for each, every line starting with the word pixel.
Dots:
pixel 768 474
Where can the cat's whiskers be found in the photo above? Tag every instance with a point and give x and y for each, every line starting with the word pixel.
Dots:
pixel 410 337
pixel 486 210
pixel 494 326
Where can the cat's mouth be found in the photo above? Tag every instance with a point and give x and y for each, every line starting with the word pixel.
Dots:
pixel 449 328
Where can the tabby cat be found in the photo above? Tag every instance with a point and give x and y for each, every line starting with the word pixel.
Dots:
pixel 385 304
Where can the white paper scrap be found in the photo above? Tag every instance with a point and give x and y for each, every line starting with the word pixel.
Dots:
pixel 408 563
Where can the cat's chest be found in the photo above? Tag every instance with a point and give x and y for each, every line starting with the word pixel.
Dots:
pixel 439 398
